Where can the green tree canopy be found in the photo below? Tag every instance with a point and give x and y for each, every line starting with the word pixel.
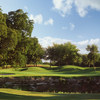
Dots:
pixel 63 53
pixel 35 51
pixel 92 56
pixel 15 30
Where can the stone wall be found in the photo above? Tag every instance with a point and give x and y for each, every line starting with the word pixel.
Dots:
pixel 53 84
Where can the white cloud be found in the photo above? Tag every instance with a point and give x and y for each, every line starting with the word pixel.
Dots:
pixel 50 21
pixel 83 5
pixel 64 6
pixel 48 41
pixel 72 26
pixel 83 44
pixel 37 19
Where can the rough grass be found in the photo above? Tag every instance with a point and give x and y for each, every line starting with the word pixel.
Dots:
pixel 64 71
pixel 11 94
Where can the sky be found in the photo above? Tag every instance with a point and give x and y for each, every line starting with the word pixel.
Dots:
pixel 60 21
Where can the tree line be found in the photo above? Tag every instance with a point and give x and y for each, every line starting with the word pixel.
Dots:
pixel 18 47
pixel 68 54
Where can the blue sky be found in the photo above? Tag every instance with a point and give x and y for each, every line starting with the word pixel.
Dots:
pixel 60 21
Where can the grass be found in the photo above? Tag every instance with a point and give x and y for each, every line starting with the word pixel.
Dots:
pixel 12 94
pixel 64 71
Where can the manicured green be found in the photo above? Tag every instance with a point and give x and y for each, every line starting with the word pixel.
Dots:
pixel 11 94
pixel 64 71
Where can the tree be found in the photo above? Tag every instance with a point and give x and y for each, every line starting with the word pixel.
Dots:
pixel 3 26
pixel 98 60
pixel 63 53
pixel 55 53
pixel 18 23
pixel 16 59
pixel 84 60
pixel 78 60
pixel 50 54
pixel 35 51
pixel 17 47
pixel 92 56
pixel 3 35
pixel 19 20
pixel 15 31
pixel 71 53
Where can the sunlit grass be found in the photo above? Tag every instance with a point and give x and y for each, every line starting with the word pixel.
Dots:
pixel 25 93
pixel 64 71
pixel 12 94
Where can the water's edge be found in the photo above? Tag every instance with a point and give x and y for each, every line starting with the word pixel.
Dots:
pixel 53 84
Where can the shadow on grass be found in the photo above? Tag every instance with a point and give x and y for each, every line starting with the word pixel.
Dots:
pixel 23 69
pixel 91 71
pixel 6 96
pixel 7 73
pixel 54 68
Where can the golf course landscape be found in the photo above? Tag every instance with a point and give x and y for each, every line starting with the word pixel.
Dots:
pixel 49 49
pixel 45 70
pixel 11 94
pixel 69 72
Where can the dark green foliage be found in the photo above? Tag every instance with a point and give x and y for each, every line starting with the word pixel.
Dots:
pixel 35 51
pixel 84 60
pixel 63 54
pixel 19 20
pixel 16 59
pixel 93 54
pixel 16 44
pixel 67 54
pixel 98 60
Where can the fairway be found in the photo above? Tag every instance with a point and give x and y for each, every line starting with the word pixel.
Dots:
pixel 64 71
pixel 11 94
pixel 49 50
